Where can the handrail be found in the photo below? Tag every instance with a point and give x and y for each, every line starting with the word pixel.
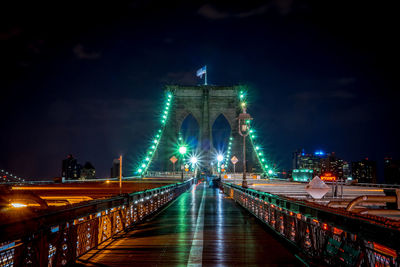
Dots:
pixel 360 199
pixel 378 185
pixel 324 235
pixel 334 215
pixel 59 237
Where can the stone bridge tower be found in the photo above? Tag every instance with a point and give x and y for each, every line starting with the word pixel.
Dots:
pixel 205 103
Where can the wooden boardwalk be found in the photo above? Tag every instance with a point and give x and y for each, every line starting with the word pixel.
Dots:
pixel 202 227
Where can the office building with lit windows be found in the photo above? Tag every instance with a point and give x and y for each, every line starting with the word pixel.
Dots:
pixel 364 171
pixel 391 171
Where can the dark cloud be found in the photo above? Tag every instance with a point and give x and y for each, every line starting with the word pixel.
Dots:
pixel 306 96
pixel 82 53
pixel 211 12
pixel 284 7
pixel 168 40
pixel 346 81
pixel 281 7
pixel 10 33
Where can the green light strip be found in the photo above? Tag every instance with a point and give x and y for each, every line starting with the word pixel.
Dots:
pixel 146 162
pixel 228 153
pixel 267 168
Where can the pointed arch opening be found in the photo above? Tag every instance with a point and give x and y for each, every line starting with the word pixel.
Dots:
pixel 221 131
pixel 190 131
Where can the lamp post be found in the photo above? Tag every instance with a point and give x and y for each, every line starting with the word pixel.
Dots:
pixel 244 118
pixel 182 151
pixel 120 174
pixel 220 158
pixel 193 161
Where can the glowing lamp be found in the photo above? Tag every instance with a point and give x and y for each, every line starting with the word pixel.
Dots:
pixel 193 160
pixel 182 150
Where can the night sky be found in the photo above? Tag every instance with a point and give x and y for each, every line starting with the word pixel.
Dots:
pixel 86 77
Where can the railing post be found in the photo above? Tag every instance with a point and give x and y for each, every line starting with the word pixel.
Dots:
pixel 43 248
pixel 97 231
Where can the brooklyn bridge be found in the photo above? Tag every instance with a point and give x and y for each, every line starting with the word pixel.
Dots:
pixel 190 202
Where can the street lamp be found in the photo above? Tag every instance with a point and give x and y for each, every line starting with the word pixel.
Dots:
pixel 244 119
pixel 182 151
pixel 193 161
pixel 220 158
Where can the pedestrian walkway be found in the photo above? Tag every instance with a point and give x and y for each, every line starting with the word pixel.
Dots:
pixel 202 227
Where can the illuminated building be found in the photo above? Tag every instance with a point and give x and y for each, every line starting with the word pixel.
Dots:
pixel 346 170
pixel 320 163
pixel 301 160
pixel 364 171
pixel 70 168
pixel 296 158
pixel 302 175
pixel 88 172
pixel 392 171
pixel 115 169
pixel 332 164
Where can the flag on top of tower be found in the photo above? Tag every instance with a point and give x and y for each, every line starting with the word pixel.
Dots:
pixel 201 71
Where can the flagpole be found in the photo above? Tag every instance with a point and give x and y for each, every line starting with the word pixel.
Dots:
pixel 205 79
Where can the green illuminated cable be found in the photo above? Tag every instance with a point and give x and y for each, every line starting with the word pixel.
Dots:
pixel 257 149
pixel 145 163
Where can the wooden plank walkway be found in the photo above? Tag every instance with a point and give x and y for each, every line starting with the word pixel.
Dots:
pixel 202 227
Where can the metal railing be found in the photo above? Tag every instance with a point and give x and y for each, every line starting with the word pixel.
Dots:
pixel 324 236
pixel 378 185
pixel 59 238
pixel 176 174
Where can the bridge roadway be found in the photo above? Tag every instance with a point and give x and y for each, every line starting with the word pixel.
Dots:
pixel 202 227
